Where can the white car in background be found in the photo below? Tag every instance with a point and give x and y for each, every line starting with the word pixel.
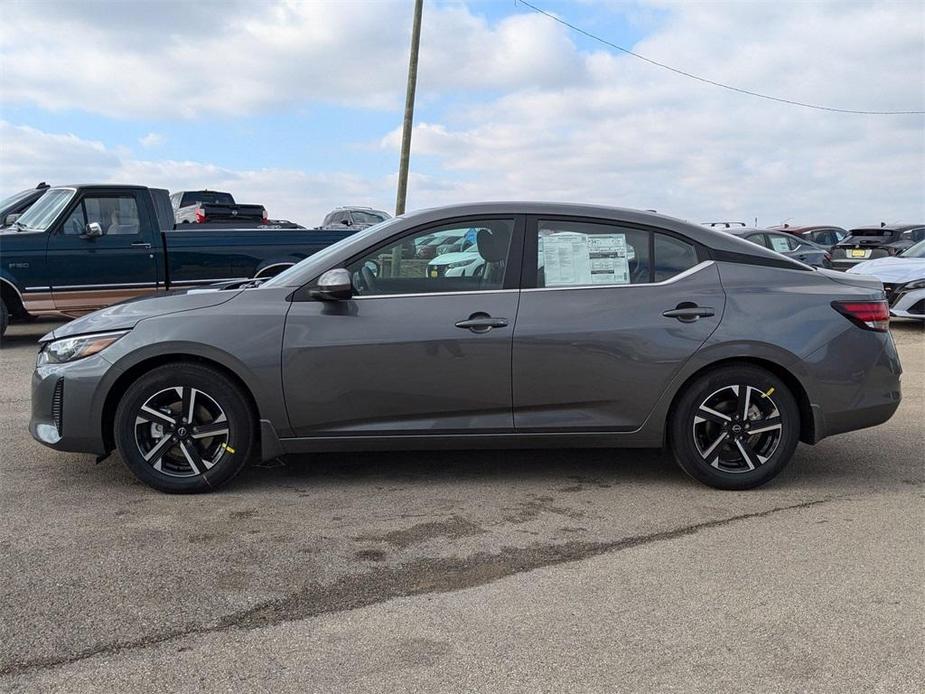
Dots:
pixel 903 278
pixel 466 263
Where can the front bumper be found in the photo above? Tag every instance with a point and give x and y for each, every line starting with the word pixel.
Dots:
pixel 909 304
pixel 67 407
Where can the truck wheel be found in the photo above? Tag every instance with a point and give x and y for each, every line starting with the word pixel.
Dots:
pixel 185 428
pixel 735 428
pixel 4 317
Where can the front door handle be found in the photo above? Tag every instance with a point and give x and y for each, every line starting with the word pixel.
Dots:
pixel 687 312
pixel 141 244
pixel 481 323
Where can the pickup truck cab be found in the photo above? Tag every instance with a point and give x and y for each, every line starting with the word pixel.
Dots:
pixel 83 247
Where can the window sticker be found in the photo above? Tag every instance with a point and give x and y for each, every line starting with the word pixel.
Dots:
pixel 779 244
pixel 575 259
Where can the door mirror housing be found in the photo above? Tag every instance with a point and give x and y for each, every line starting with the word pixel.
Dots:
pixel 333 285
pixel 92 231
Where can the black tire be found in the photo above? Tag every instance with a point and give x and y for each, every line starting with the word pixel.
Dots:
pixel 714 444
pixel 194 463
pixel 4 317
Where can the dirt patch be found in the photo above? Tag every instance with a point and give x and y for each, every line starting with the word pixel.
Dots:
pixel 453 528
pixel 532 508
pixel 370 555
pixel 248 513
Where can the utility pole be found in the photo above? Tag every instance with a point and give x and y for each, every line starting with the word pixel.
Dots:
pixel 409 109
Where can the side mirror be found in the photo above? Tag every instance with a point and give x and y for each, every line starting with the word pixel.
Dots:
pixel 10 218
pixel 93 231
pixel 333 285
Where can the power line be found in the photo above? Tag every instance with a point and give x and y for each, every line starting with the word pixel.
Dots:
pixel 709 81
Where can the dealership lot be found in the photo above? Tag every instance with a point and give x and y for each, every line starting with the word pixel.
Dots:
pixel 529 569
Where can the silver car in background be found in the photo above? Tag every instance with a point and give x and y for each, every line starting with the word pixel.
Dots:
pixel 903 278
pixel 585 326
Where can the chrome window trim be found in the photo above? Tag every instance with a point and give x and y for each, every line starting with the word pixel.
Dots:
pixel 459 293
pixel 145 284
pixel 703 265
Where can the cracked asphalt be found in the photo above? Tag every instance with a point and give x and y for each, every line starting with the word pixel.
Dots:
pixel 467 571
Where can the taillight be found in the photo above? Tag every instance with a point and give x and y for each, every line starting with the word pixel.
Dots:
pixel 870 315
pixel 265 217
pixel 200 216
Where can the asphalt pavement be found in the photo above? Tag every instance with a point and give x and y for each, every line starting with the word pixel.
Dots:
pixel 561 570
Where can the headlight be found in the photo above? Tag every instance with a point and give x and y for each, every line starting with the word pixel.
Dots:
pixel 74 348
pixel 914 284
pixel 460 263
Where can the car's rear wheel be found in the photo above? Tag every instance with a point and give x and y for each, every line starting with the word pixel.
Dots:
pixel 184 428
pixel 735 427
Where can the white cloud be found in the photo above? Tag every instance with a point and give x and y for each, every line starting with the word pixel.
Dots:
pixel 633 135
pixel 533 116
pixel 30 156
pixel 167 60
pixel 152 140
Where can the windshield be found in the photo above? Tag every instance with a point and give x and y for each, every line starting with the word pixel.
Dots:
pixel 916 251
pixel 13 199
pixel 41 215
pixel 293 276
pixel 370 217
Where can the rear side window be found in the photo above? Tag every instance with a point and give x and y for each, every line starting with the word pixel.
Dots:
pixel 579 254
pixel 672 256
pixel 780 243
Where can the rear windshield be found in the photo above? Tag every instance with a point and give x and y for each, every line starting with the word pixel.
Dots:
pixel 871 232
pixel 208 196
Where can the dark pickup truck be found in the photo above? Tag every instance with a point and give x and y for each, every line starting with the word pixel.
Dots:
pixel 205 206
pixel 80 248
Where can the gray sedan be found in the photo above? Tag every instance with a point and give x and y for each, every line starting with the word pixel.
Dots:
pixel 584 326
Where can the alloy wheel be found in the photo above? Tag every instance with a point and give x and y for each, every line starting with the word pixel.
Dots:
pixel 737 428
pixel 181 431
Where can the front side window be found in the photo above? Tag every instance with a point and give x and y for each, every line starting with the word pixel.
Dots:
pixel 116 214
pixel 577 254
pixel 470 256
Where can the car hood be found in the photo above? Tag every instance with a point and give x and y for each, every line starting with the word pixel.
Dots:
pixel 892 269
pixel 128 314
pixel 448 258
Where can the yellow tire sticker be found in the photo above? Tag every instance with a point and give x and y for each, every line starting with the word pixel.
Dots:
pixel 227 448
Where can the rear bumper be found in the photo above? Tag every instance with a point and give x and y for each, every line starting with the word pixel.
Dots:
pixel 856 382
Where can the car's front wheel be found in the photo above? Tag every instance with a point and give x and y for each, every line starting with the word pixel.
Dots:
pixel 184 428
pixel 735 427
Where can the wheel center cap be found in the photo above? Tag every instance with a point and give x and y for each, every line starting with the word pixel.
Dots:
pixel 736 429
pixel 181 432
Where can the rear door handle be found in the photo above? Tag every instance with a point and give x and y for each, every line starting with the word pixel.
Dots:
pixel 688 313
pixel 141 244
pixel 481 323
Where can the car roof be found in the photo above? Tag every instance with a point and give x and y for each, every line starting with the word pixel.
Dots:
pixel 802 228
pixel 889 227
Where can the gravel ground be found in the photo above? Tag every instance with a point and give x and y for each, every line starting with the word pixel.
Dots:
pixel 493 571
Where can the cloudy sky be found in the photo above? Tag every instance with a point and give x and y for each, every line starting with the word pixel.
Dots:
pixel 298 105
